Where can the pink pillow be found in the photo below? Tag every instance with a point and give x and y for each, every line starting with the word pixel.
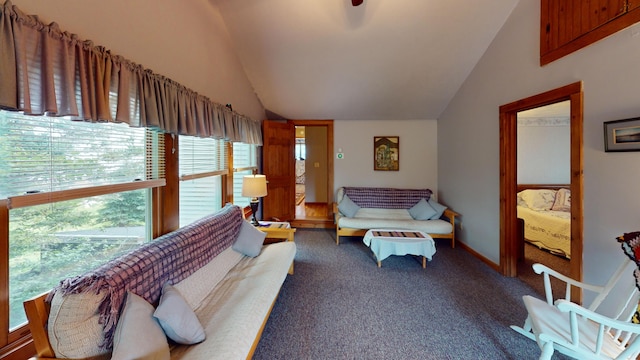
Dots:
pixel 562 202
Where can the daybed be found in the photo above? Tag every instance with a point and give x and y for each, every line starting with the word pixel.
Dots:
pixel 358 209
pixel 546 211
pixel 209 287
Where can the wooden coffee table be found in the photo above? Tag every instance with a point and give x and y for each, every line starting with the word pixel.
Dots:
pixel 387 242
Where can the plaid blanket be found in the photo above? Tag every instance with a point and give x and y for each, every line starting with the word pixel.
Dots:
pixel 386 198
pixel 169 258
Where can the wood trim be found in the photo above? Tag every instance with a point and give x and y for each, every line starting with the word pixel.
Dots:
pixel 37 311
pixel 548 53
pixel 4 272
pixel 520 187
pixel 508 174
pixel 20 201
pixel 330 156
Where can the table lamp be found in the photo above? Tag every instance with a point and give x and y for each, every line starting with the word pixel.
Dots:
pixel 254 186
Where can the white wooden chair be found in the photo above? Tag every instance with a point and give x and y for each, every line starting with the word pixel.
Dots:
pixel 603 330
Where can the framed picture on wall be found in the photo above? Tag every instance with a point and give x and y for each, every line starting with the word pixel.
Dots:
pixel 386 153
pixel 622 135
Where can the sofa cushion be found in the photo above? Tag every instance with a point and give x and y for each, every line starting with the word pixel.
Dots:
pixel 230 312
pixel 347 207
pixel 249 240
pixel 177 319
pixel 138 334
pixel 439 208
pixel 422 210
pixel 73 327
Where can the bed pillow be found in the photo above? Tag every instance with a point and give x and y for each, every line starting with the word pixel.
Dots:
pixel 138 334
pixel 249 240
pixel 538 199
pixel 439 208
pixel 177 319
pixel 562 201
pixel 422 210
pixel 347 207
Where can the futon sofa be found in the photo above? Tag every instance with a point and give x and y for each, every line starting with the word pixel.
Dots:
pixel 204 291
pixel 358 209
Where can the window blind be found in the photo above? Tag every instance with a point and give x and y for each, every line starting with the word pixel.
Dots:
pixel 45 154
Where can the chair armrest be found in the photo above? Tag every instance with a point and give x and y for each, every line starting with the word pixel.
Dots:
pixel 568 306
pixel 546 272
pixel 451 215
pixel 37 311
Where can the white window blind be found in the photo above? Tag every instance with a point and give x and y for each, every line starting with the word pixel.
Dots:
pixel 45 154
pixel 202 161
pixel 245 159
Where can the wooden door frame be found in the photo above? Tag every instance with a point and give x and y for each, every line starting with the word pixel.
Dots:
pixel 508 175
pixel 329 125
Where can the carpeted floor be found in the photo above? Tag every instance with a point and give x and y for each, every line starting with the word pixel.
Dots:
pixel 340 305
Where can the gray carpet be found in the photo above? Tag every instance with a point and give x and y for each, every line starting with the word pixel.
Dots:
pixel 340 305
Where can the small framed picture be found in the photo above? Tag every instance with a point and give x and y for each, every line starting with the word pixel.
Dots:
pixel 622 135
pixel 386 153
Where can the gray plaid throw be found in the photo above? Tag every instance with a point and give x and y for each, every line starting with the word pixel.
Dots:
pixel 169 258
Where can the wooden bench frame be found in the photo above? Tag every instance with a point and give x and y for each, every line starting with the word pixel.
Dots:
pixel 344 231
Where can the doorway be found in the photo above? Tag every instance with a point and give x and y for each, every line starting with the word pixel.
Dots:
pixel 510 246
pixel 313 174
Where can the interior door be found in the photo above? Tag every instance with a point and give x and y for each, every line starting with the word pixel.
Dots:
pixel 279 168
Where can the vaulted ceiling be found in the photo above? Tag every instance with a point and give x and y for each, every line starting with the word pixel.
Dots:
pixel 382 60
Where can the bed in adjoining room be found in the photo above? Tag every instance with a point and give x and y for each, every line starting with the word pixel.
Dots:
pixel 546 211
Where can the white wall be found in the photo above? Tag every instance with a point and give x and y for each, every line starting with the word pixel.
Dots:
pixel 468 135
pixel 418 153
pixel 188 44
pixel 544 153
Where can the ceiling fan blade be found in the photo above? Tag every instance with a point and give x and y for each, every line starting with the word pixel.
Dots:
pixel 356 2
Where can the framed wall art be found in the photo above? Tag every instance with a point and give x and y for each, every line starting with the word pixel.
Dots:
pixel 386 153
pixel 622 135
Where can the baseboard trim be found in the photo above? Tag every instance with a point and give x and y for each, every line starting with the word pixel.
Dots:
pixel 489 263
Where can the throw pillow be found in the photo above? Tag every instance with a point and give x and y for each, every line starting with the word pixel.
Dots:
pixel 562 201
pixel 422 210
pixel 177 319
pixel 538 199
pixel 249 240
pixel 347 207
pixel 438 207
pixel 138 335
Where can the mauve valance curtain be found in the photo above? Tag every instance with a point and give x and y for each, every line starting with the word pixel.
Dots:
pixel 44 70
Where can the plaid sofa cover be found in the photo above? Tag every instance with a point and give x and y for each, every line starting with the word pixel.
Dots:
pixel 169 258
pixel 386 198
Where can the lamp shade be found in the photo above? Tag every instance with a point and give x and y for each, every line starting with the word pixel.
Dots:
pixel 254 186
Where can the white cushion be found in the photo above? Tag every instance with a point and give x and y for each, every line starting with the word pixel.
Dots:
pixel 177 319
pixel 74 331
pixel 537 199
pixel 138 334
pixel 249 240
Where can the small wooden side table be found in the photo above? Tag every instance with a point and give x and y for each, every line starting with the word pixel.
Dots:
pixel 276 232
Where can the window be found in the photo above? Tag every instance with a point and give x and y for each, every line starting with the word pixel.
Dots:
pixel 202 162
pixel 245 161
pixel 73 188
